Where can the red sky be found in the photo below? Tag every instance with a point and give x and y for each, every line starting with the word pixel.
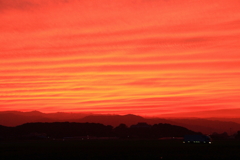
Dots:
pixel 145 57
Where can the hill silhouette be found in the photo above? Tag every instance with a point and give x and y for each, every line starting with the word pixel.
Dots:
pixel 206 126
pixel 113 120
pixel 196 124
pixel 65 130
pixel 15 118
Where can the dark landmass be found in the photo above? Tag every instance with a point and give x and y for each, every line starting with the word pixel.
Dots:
pixel 113 120
pixel 66 130
pixel 15 118
pixel 221 114
pixel 206 126
pixel 94 141
pixel 118 150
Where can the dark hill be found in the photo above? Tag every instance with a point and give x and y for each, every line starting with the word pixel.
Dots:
pixel 15 118
pixel 206 126
pixel 66 129
pixel 113 120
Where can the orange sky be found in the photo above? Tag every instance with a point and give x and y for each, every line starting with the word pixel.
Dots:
pixel 145 57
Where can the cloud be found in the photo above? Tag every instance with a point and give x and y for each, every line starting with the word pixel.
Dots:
pixel 119 56
pixel 28 5
pixel 17 4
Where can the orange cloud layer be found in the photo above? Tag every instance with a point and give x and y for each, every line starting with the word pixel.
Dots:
pixel 142 57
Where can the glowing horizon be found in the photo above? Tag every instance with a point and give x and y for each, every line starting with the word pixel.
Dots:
pixel 165 57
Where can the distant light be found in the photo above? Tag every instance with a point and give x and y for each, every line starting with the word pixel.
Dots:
pixel 210 142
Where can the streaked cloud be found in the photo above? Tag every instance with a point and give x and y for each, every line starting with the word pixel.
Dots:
pixel 118 57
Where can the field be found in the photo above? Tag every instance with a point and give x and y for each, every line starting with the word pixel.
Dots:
pixel 117 150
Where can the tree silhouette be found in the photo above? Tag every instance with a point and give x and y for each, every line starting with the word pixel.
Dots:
pixel 237 135
pixel 73 129
pixel 121 131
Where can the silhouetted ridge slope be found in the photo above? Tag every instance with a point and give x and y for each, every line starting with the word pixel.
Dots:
pixel 15 118
pixel 206 126
pixel 66 129
pixel 63 129
pixel 144 130
pixel 166 130
pixel 113 120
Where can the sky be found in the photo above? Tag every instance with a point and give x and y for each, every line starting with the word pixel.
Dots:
pixel 144 57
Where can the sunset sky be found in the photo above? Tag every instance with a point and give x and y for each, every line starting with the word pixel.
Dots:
pixel 144 57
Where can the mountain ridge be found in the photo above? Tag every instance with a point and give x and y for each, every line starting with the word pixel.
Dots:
pixel 207 126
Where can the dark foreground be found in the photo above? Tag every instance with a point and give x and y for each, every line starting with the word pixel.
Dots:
pixel 117 150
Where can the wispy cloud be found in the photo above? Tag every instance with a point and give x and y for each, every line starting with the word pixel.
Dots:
pixel 141 57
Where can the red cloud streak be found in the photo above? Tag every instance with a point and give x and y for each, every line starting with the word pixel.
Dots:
pixel 158 58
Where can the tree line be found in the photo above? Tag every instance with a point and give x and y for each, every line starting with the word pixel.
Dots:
pixel 73 129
